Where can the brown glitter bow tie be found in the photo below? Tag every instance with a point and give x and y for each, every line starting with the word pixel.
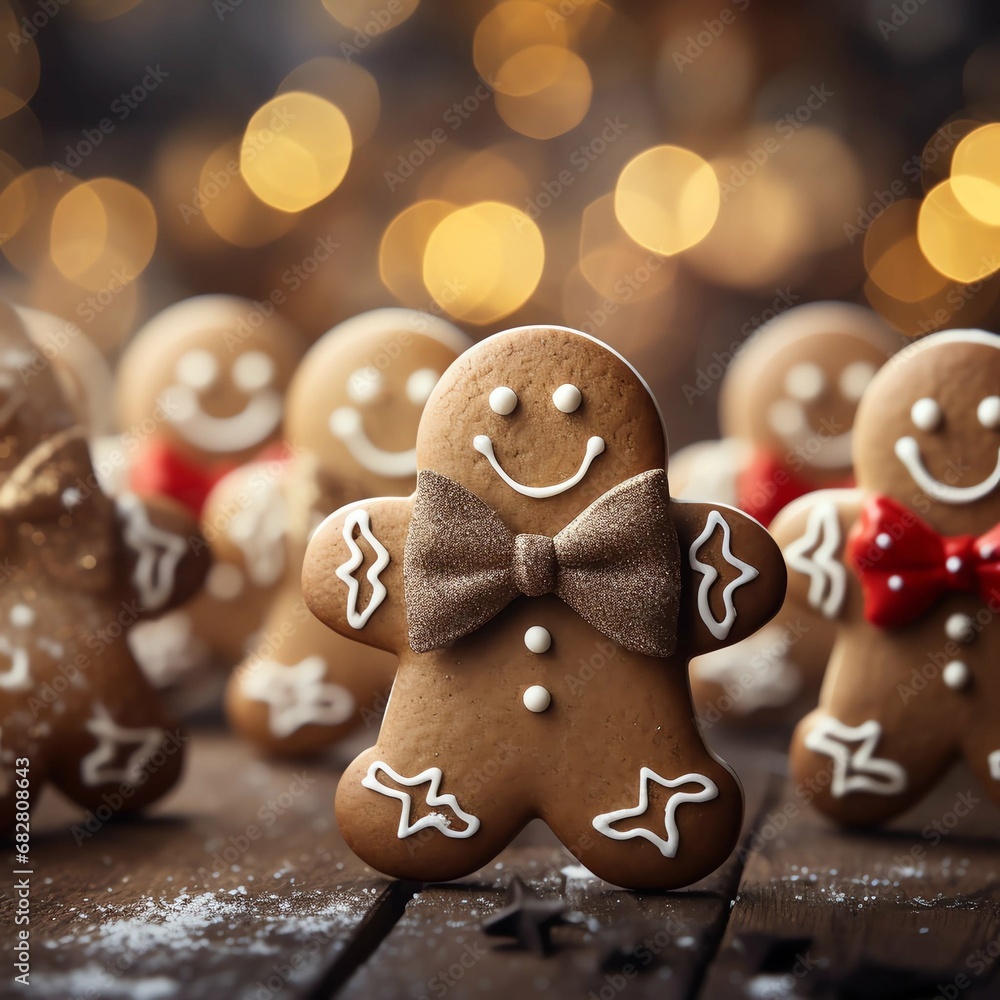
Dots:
pixel 616 564
pixel 52 511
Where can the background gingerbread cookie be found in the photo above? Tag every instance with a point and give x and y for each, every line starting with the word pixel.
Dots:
pixel 787 412
pixel 906 566
pixel 353 410
pixel 543 594
pixel 80 570
pixel 201 390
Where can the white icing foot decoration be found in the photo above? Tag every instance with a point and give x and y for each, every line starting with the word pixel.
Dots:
pixel 159 553
pixel 95 768
pixel 858 770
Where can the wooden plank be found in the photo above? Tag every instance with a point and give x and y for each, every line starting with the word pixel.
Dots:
pixel 656 944
pixel 910 911
pixel 238 884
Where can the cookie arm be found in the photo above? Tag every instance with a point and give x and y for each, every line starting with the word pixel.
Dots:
pixel 732 575
pixel 166 558
pixel 352 577
pixel 812 532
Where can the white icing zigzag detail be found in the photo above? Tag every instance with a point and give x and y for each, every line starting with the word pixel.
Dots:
pixel 870 774
pixel 993 761
pixel 159 553
pixel 296 695
pixel 433 775
pixel 94 768
pixel 669 847
pixel 827 577
pixel 720 629
pixel 360 519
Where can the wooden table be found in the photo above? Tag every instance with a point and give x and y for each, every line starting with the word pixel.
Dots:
pixel 239 886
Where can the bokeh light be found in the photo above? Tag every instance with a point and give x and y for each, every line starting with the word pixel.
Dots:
pixel 368 19
pixel 893 258
pixel 975 174
pixel 295 151
pixel 958 244
pixel 26 208
pixel 483 262
pixel 667 199
pixel 346 84
pixel 510 28
pixel 552 91
pixel 401 252
pixel 20 68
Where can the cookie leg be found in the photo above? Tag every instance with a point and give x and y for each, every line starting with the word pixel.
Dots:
pixel 119 750
pixel 304 687
pixel 651 822
pixel 422 820
pixel 872 749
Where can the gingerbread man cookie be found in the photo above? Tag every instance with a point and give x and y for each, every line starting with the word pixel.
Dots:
pixel 906 567
pixel 353 410
pixel 787 411
pixel 79 569
pixel 543 594
pixel 201 390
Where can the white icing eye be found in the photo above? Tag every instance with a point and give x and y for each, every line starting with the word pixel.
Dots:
pixel 567 398
pixel 197 369
pixel 364 384
pixel 926 414
pixel 805 381
pixel 252 371
pixel 503 400
pixel 854 379
pixel 420 385
pixel 988 412
pixel 786 417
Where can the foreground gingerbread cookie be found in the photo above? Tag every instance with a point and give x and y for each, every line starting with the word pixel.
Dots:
pixel 906 565
pixel 353 410
pixel 543 594
pixel 79 570
pixel 787 411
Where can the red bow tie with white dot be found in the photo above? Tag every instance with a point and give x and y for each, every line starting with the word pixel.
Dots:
pixel 905 566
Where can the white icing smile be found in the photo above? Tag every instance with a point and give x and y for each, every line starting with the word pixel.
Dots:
pixel 484 445
pixel 346 424
pixel 251 426
pixel 908 452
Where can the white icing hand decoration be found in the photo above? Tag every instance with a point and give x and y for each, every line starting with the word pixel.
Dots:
pixel 438 821
pixel 858 770
pixel 159 553
pixel 815 555
pixel 709 574
pixel 669 847
pixel 360 519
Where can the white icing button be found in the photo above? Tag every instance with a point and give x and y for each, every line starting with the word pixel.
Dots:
pixel 953 564
pixel 567 398
pixel 988 412
pixel 252 371
pixel 224 582
pixel 986 551
pixel 420 385
pixel 854 379
pixel 536 698
pixel 960 628
pixel 895 582
pixel 538 639
pixel 925 414
pixel 805 381
pixel 503 400
pixel 883 540
pixel 955 674
pixel 21 616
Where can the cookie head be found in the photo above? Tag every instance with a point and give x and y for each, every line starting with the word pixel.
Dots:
pixel 211 372
pixel 794 391
pixel 539 422
pixel 357 397
pixel 928 431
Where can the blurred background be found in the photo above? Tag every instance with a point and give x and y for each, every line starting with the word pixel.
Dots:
pixel 666 176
